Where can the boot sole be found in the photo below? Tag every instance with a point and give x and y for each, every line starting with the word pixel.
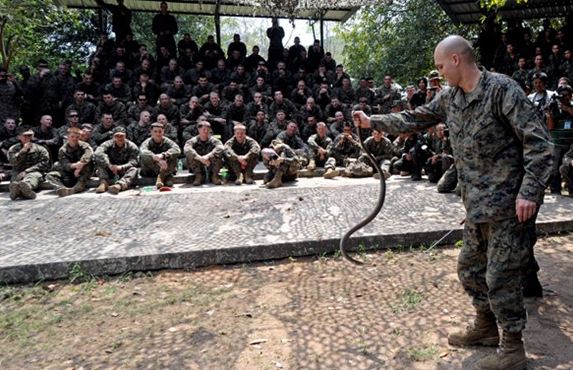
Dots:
pixel 486 342
pixel 521 365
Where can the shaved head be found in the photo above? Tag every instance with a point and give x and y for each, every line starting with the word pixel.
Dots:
pixel 456 45
pixel 455 61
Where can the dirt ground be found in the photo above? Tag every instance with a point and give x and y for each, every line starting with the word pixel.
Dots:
pixel 313 313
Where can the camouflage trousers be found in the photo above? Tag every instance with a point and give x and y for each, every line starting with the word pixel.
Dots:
pixel 195 166
pixel 492 264
pixel 235 166
pixel 60 178
pixel 358 169
pixel 150 168
pixel 126 178
pixel 288 172
pixel 34 179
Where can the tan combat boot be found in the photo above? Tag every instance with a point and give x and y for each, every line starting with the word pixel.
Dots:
pixel 311 165
pixel 277 181
pixel 64 192
pixel 509 356
pixel 15 192
pixel 216 179
pixel 330 173
pixel 102 187
pixel 198 178
pixel 239 180
pixel 115 189
pixel 482 333
pixel 27 191
pixel 159 182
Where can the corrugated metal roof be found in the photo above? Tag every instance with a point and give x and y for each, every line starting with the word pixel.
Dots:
pixel 227 8
pixel 469 11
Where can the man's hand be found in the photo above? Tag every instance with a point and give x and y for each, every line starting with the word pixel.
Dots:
pixel 157 157
pixel 78 166
pixel 243 161
pixel 361 120
pixel 524 209
pixel 27 147
pixel 162 164
pixel 114 168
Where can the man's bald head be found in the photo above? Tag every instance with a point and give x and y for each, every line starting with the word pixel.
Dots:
pixel 456 45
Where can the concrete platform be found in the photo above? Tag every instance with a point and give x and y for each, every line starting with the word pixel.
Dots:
pixel 144 229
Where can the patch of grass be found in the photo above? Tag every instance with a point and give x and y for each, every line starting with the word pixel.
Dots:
pixel 77 274
pixel 423 353
pixel 409 300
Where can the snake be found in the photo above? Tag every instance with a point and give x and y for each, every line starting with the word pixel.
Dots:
pixel 372 214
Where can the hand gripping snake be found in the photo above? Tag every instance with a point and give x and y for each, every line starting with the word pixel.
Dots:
pixel 375 211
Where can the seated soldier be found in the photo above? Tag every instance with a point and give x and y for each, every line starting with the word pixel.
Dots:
pixel 320 145
pixel 102 131
pixel 258 127
pixel 204 153
pixel 566 170
pixel 74 168
pixel 159 156
pixel 169 130
pixel 117 160
pixel 29 164
pixel 291 138
pixel 8 137
pixel 345 148
pixel 242 155
pixel 411 156
pixel 47 136
pixel 138 132
pixel 441 158
pixel 381 149
pixel 282 163
pixel 86 135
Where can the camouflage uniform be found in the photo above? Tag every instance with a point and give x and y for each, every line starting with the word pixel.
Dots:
pixel 197 147
pixel 386 104
pixel 342 150
pixel 116 109
pixel 295 142
pixel 102 134
pixel 137 133
pixel 170 151
pixel 382 151
pixel 62 175
pixel 502 152
pixel 126 157
pixel 86 111
pixel 288 169
pixel 10 100
pixel 233 149
pixel 28 167
pixel 315 142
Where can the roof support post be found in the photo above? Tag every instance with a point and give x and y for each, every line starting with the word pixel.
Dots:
pixel 218 21
pixel 322 28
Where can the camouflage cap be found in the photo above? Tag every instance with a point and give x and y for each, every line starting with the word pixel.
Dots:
pixel 156 124
pixel 25 131
pixel 119 131
pixel 434 75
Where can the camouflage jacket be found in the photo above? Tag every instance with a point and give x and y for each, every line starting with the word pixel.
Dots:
pixel 36 159
pixel 68 155
pixel 295 142
pixel 250 148
pixel 108 153
pixel 345 147
pixel 197 147
pixel 315 142
pixel 167 147
pixel 383 149
pixel 502 149
pixel 137 133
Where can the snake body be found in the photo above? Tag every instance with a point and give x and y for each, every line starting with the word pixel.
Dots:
pixel 371 215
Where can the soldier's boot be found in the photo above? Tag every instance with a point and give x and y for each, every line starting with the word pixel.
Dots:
pixel 532 286
pixel 27 191
pixel 15 191
pixel 311 165
pixel 483 332
pixel 102 187
pixel 64 192
pixel 198 178
pixel 215 178
pixel 330 173
pixel 249 178
pixel 509 356
pixel 159 182
pixel 116 188
pixel 277 181
pixel 404 173
pixel 79 187
pixel 239 179
pixel 268 177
